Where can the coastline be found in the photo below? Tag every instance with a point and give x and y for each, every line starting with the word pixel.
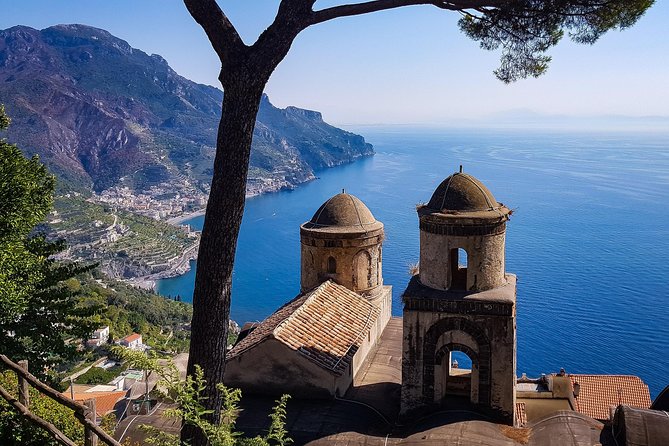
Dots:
pixel 182 266
pixel 176 221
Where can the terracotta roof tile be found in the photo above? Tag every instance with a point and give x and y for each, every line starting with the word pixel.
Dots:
pixel 266 328
pixel 327 325
pixel 104 401
pixel 132 337
pixel 598 393
pixel 521 415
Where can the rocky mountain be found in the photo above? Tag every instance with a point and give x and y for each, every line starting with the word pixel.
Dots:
pixel 102 114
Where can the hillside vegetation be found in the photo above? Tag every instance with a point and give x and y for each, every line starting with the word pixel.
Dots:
pixel 102 114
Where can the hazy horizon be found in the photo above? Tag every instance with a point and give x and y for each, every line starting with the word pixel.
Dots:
pixel 407 66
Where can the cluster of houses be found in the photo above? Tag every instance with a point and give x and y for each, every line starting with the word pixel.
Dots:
pixel 114 396
pixel 154 202
pixel 101 336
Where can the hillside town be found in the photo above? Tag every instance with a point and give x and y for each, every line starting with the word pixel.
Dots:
pixel 162 201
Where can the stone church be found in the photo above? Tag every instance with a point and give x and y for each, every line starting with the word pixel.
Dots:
pixel 337 339
pixel 315 345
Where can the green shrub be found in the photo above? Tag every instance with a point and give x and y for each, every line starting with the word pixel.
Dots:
pixel 97 375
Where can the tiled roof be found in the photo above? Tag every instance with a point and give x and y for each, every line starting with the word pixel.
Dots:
pixel 598 393
pixel 104 401
pixel 266 328
pixel 327 325
pixel 132 337
pixel 521 415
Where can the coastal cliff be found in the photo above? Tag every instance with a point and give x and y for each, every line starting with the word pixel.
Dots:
pixel 132 144
pixel 103 115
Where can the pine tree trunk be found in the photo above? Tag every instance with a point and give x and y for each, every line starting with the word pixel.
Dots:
pixel 211 298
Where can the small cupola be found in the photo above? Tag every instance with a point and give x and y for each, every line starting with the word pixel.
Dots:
pixel 462 235
pixel 342 242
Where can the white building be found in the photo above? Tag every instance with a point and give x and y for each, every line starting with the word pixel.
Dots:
pixel 99 337
pixel 133 342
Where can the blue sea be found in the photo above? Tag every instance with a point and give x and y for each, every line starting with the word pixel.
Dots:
pixel 588 239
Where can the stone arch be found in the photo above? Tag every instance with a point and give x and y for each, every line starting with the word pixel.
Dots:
pixel 379 263
pixel 453 346
pixel 362 270
pixel 430 351
pixel 373 276
pixel 441 389
pixel 332 265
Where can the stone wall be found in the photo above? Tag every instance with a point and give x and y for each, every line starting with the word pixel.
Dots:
pixel 357 260
pixel 485 260
pixel 383 301
pixel 271 368
pixel 488 336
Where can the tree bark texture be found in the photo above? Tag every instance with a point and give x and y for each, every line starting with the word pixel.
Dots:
pixel 245 71
pixel 213 279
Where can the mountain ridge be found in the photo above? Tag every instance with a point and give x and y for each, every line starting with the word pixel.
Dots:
pixel 103 114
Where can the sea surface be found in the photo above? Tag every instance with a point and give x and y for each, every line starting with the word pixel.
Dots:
pixel 588 239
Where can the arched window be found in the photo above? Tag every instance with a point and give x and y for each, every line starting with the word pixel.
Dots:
pixel 362 269
pixel 457 263
pixel 458 375
pixel 332 265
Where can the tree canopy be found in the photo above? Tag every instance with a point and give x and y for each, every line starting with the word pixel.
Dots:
pixel 38 312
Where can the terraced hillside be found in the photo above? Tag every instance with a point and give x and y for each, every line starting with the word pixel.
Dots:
pixel 125 244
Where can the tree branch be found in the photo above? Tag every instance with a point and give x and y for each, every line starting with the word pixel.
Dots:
pixel 219 29
pixel 334 12
pixel 274 43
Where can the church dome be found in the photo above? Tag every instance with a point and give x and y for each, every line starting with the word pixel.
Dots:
pixel 342 210
pixel 342 242
pixel 462 193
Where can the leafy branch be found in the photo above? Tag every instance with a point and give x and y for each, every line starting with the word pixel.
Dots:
pixel 189 397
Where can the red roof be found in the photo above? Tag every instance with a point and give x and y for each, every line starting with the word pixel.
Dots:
pixel 104 401
pixel 327 325
pixel 598 393
pixel 132 337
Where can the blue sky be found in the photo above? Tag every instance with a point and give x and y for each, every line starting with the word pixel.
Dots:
pixel 409 66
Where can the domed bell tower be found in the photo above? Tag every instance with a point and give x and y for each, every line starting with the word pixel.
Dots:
pixel 461 300
pixel 343 242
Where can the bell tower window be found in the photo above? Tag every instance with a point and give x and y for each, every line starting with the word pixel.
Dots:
pixel 332 265
pixel 457 262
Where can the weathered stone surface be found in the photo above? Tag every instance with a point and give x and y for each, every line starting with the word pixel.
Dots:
pixel 343 243
pixel 448 307
pixel 462 192
pixel 439 263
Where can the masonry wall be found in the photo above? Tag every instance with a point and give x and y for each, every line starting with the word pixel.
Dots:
pixel 495 345
pixel 384 302
pixel 485 260
pixel 271 368
pixel 358 260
